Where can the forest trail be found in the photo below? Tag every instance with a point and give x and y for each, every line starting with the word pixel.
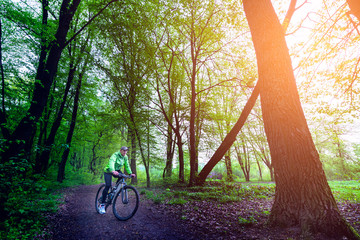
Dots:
pixel 78 219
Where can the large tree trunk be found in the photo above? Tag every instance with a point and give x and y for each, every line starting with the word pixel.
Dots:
pixel 42 162
pixel 303 197
pixel 354 8
pixel 45 76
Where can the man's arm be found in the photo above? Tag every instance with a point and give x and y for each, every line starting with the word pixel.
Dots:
pixel 127 166
pixel 112 163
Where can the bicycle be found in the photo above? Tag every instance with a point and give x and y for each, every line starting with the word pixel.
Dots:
pixel 124 199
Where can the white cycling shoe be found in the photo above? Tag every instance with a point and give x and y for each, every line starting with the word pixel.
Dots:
pixel 102 209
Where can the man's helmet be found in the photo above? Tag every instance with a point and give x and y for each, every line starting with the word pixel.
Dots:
pixel 124 148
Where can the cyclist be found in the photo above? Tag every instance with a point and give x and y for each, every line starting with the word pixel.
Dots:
pixel 117 161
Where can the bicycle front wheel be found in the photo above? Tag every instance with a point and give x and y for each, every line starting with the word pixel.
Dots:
pixel 126 203
pixel 98 198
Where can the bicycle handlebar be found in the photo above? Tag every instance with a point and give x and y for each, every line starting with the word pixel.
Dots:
pixel 122 175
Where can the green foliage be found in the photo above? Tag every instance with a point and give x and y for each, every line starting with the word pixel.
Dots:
pixel 346 190
pixel 156 197
pixel 27 207
pixel 247 221
pixel 221 192
pixel 25 201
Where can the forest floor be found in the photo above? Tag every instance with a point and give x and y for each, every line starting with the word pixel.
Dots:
pixel 78 219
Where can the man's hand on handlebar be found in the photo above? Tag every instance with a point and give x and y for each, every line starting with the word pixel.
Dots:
pixel 117 174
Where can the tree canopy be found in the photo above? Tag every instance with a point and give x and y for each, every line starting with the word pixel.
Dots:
pixel 178 83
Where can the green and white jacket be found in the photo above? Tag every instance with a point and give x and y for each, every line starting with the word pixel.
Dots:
pixel 117 162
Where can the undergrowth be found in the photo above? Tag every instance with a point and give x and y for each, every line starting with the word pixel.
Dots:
pixel 27 200
pixel 233 192
pixel 221 192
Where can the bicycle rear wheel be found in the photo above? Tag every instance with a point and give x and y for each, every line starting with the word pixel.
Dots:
pixel 126 203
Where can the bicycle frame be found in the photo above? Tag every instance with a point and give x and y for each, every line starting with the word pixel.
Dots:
pixel 119 186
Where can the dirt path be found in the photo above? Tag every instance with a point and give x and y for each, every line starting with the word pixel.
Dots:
pixel 78 219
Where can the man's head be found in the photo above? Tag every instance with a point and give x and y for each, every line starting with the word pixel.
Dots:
pixel 123 150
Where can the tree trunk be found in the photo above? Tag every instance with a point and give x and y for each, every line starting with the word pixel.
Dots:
pixel 243 162
pixel 354 8
pixel 303 197
pixel 230 177
pixel 230 137
pixel 132 139
pixel 181 161
pixel 5 132
pixel 169 152
pixel 259 167
pixel 42 162
pixel 92 163
pixel 192 130
pixel 45 76
pixel 61 172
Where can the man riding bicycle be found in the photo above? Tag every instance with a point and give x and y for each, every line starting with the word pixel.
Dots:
pixel 117 161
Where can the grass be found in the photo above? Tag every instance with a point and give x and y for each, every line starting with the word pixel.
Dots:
pixel 233 192
pixel 221 192
pixel 346 190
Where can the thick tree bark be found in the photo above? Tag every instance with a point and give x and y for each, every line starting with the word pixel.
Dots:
pixel 303 197
pixel 354 8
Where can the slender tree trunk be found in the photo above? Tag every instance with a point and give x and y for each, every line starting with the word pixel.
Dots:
pixel 92 164
pixel 303 197
pixel 230 138
pixel 192 136
pixel 132 140
pixel 192 130
pixel 61 171
pixel 145 160
pixel 243 162
pixel 5 132
pixel 181 161
pixel 230 177
pixel 169 152
pixel 259 167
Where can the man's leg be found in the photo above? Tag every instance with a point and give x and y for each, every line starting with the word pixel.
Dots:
pixel 107 178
